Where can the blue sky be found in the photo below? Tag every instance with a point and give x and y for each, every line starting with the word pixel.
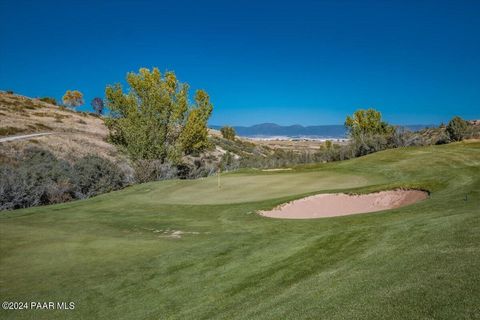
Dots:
pixel 306 62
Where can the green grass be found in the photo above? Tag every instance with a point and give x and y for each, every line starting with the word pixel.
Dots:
pixel 113 257
pixel 244 187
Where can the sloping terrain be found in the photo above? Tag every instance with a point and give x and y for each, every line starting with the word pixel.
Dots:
pixel 73 134
pixel 191 250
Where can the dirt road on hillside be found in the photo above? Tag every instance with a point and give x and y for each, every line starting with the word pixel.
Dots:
pixel 25 136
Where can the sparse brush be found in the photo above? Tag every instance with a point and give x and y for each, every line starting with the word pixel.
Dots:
pixel 8 131
pixel 49 100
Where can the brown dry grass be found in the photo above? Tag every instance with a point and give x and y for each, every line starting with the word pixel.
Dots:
pixel 75 134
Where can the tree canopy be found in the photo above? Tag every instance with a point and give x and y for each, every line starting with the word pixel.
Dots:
pixel 228 132
pixel 97 105
pixel 366 122
pixel 154 119
pixel 73 98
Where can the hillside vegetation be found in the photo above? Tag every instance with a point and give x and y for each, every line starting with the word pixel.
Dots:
pixel 186 249
pixel 75 134
pixel 78 134
pixel 156 135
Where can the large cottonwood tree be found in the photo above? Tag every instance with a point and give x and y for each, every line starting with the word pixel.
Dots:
pixel 154 119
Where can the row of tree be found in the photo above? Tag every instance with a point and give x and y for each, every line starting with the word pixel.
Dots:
pixel 74 98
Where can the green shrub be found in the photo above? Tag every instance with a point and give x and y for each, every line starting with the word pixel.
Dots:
pixel 49 100
pixel 228 133
pixel 457 129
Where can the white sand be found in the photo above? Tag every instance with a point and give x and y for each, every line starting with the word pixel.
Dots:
pixel 340 204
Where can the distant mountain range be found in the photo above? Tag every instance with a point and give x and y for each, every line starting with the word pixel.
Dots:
pixel 269 130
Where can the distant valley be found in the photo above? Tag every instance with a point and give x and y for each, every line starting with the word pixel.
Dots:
pixel 273 130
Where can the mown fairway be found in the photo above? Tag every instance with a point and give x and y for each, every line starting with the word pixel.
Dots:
pixel 186 250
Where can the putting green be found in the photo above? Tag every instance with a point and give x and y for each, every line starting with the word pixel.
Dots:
pixel 245 187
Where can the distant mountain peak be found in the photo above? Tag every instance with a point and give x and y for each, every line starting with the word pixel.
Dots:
pixel 265 125
pixel 269 129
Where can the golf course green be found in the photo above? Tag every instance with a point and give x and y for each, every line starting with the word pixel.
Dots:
pixel 186 249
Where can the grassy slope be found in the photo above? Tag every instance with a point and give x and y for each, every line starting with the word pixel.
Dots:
pixel 75 134
pixel 113 257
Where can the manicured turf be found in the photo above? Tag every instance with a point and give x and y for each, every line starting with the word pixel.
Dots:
pixel 120 255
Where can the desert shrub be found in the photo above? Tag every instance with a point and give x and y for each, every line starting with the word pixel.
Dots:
pixel 39 178
pixel 473 130
pixel 456 129
pixel 95 175
pixel 49 100
pixel 42 172
pixel 441 138
pixel 81 121
pixel 228 162
pixel 369 143
pixel 12 189
pixel 153 170
pixel 199 168
pixel 403 137
pixel 34 181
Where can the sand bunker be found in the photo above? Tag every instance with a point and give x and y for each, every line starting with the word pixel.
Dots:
pixel 340 204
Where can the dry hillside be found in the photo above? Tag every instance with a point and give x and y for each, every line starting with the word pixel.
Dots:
pixel 72 134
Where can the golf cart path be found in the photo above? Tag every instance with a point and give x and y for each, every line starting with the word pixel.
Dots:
pixel 25 136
